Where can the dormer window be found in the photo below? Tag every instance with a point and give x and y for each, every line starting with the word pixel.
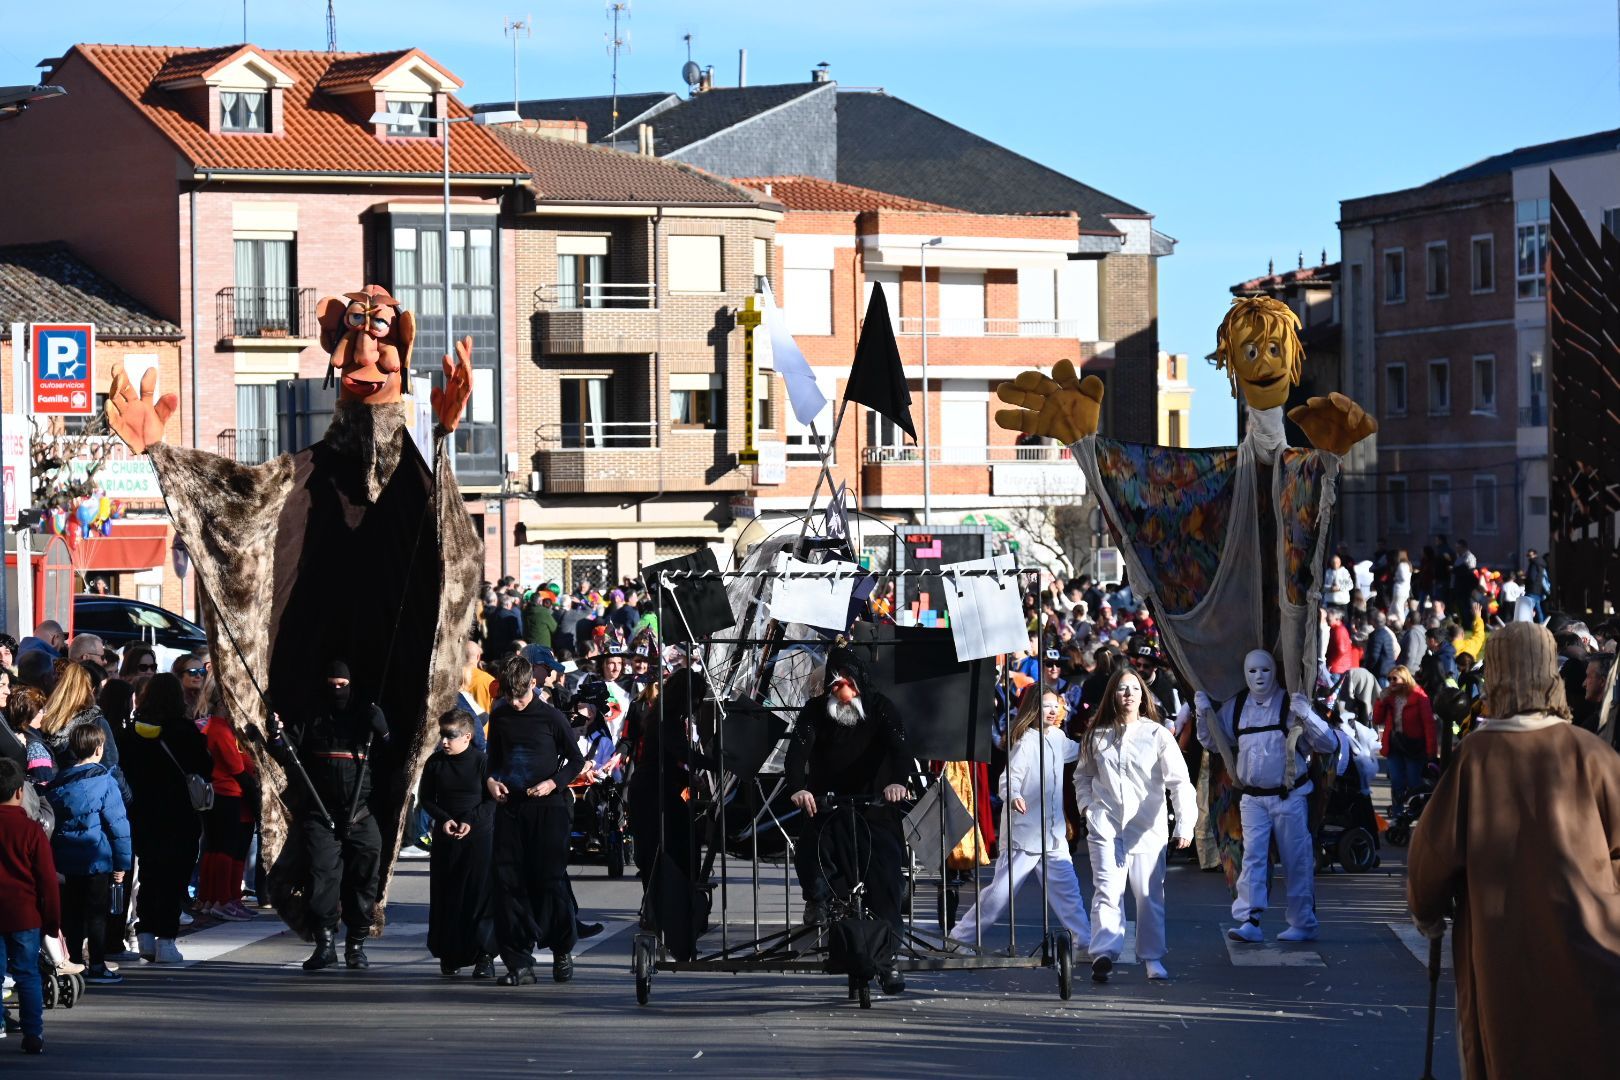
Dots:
pixel 412 106
pixel 244 110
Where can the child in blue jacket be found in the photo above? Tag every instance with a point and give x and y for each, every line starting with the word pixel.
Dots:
pixel 91 846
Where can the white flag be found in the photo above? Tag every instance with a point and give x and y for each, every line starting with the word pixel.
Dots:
pixel 805 396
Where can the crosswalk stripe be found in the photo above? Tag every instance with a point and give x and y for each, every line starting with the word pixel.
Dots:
pixel 1418 945
pixel 1270 954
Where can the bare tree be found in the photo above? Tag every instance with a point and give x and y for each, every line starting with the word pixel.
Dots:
pixel 55 452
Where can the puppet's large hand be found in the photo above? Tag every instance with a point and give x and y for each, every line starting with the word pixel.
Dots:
pixel 1062 407
pixel 138 417
pixel 1333 423
pixel 451 402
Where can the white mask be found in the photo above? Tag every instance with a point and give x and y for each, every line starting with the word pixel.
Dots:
pixel 1260 673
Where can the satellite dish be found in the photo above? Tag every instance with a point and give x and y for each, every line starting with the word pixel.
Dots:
pixel 691 73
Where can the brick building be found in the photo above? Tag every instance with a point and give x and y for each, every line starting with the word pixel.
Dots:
pixel 48 283
pixel 1005 293
pixel 1444 305
pixel 269 159
pixel 629 364
pixel 1175 399
pixel 879 142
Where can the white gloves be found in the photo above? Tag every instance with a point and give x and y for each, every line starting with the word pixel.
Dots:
pixel 1203 703
pixel 1302 706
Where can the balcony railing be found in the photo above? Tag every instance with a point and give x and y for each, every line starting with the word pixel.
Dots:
pixel 947 326
pixel 258 312
pixel 604 435
pixel 966 455
pixel 1533 414
pixel 592 295
pixel 249 446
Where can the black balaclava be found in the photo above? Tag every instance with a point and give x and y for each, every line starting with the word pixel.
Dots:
pixel 337 697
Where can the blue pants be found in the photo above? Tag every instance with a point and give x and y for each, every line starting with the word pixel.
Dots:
pixel 22 963
pixel 1405 777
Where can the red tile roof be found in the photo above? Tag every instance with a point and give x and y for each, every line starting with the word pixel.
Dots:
pixel 814 193
pixel 1324 275
pixel 565 171
pixel 364 69
pixel 322 132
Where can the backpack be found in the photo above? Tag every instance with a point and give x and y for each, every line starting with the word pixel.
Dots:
pixel 198 789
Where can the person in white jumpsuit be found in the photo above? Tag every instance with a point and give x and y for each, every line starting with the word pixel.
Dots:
pixel 1254 728
pixel 1128 759
pixel 1032 790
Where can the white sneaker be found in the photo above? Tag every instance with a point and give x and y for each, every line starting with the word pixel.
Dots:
pixel 1295 934
pixel 166 952
pixel 186 918
pixel 1155 970
pixel 1246 931
pixel 411 851
pixel 146 945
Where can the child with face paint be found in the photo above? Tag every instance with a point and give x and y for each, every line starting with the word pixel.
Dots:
pixel 1127 761
pixel 1265 739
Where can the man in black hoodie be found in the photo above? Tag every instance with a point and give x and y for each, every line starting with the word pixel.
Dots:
pixel 849 741
pixel 334 824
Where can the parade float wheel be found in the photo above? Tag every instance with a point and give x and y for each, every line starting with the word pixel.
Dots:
pixel 1357 852
pixel 1064 948
pixel 67 993
pixel 642 963
pixel 48 989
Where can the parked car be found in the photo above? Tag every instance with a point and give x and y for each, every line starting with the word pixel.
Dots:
pixel 120 622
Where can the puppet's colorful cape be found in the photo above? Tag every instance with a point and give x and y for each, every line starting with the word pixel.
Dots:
pixel 1191 526
pixel 352 548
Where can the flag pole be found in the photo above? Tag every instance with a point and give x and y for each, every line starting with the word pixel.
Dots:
pixel 826 469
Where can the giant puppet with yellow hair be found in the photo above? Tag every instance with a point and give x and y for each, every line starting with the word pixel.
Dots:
pixel 1226 544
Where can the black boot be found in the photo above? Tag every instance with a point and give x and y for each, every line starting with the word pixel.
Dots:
pixel 354 952
pixel 325 954
pixel 583 930
pixel 891 981
pixel 447 969
pixel 517 977
pixel 485 968
pixel 562 967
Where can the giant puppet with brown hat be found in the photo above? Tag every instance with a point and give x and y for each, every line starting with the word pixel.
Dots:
pixel 356 546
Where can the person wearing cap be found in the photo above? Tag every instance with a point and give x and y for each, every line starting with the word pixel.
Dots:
pixel 1161 683
pixel 333 821
pixel 1052 673
pixel 539 620
pixel 641 672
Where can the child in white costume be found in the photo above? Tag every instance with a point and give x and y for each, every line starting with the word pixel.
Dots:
pixel 1033 781
pixel 1253 731
pixel 1127 760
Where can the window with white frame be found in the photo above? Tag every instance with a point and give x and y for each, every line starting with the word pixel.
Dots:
pixel 762 261
pixel 695 401
pixel 586 404
pixel 801 444
pixel 244 110
pixel 412 107
pixel 886 440
pixel 1482 264
pixel 961 303
pixel 1037 301
pixel 695 264
pixel 1400 511
pixel 1531 217
pixel 1395 276
pixel 1436 269
pixel 1485 385
pixel 1440 504
pixel 1395 390
pixel 807 301
pixel 1439 387
pixel 1485 520
pixel 890 280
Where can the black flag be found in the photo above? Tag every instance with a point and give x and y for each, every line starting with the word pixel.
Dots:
pixel 876 378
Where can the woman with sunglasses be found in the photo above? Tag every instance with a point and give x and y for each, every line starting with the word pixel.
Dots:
pixel 139 659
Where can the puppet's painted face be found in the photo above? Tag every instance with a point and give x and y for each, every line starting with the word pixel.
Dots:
pixel 1262 365
pixel 1260 673
pixel 367 361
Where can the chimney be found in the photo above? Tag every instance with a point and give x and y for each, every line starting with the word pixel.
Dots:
pixel 644 139
pixel 706 81
pixel 742 67
pixel 820 73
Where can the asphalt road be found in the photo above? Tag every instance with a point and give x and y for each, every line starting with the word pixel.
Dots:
pixel 1352 1004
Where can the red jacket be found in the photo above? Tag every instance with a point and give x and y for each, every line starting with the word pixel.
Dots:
pixel 1417 720
pixel 28 895
pixel 1340 653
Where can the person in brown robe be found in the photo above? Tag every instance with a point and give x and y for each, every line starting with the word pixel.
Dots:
pixel 1519 843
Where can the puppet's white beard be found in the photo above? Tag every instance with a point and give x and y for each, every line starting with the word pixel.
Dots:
pixel 847 715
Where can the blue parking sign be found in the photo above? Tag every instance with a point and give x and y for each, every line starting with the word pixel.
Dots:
pixel 64 363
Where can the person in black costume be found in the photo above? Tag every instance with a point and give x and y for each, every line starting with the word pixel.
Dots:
pixel 334 826
pixel 849 740
pixel 532 757
pixel 456 796
pixel 659 736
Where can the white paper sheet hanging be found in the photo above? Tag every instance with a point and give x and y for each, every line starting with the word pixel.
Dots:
pixel 816 594
pixel 987 613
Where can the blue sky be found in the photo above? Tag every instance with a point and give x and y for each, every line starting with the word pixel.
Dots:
pixel 1241 125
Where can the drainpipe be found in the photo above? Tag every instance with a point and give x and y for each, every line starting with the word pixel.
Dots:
pixel 658 357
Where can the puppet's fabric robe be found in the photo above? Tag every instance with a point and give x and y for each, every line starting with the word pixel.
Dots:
pixel 354 548
pixel 1523 834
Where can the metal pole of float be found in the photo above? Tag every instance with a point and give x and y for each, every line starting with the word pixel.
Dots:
pixel 928 484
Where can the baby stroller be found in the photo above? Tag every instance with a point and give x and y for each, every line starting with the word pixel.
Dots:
pixel 1399 832
pixel 601 825
pixel 1348 834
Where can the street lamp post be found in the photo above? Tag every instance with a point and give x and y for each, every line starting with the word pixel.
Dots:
pixel 928 480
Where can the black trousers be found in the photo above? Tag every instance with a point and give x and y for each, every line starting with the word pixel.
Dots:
pixel 344 874
pixel 165 864
pixel 84 915
pixel 534 905
pixel 838 850
pixel 224 831
pixel 461 925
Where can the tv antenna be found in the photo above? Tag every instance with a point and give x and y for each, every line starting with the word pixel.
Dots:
pixel 690 72
pixel 331 27
pixel 618 40
pixel 517 28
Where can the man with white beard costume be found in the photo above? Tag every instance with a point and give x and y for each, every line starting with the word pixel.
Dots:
pixel 849 741
pixel 1265 737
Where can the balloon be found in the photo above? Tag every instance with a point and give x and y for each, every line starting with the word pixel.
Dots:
pixel 58 521
pixel 104 509
pixel 118 508
pixel 106 528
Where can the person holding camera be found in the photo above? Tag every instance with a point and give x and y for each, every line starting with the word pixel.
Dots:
pixel 340 838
